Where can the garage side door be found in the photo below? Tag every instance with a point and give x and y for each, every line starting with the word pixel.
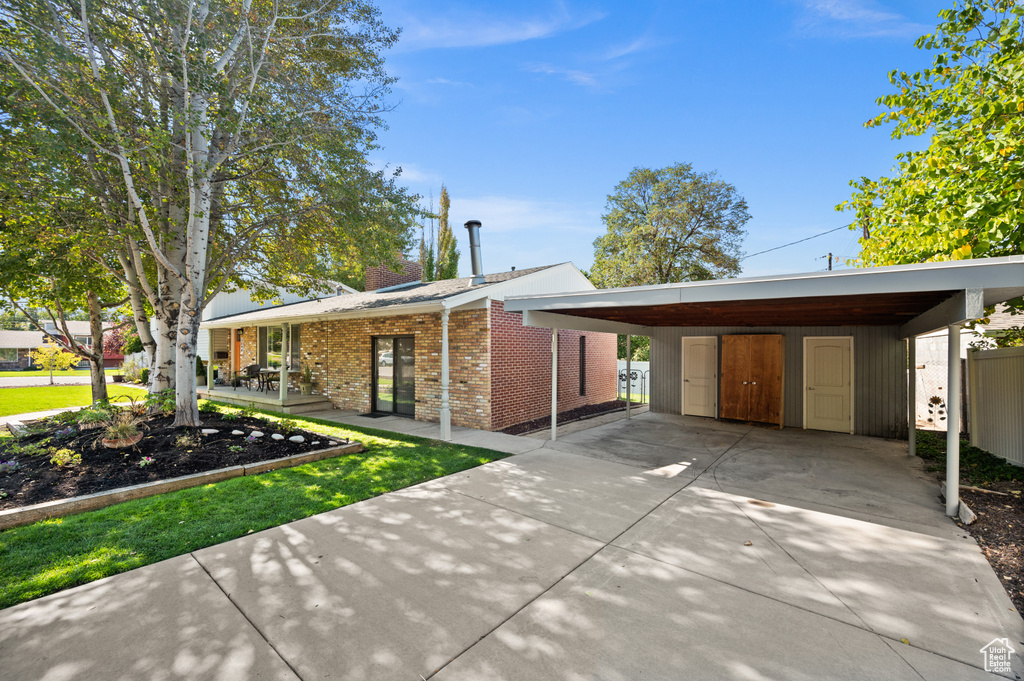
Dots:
pixel 828 394
pixel 700 376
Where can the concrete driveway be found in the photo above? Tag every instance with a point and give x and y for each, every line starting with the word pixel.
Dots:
pixel 663 547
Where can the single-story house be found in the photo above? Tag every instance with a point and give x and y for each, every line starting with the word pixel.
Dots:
pixel 16 346
pixel 443 351
pixel 824 350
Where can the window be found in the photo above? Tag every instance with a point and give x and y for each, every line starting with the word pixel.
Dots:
pixel 85 341
pixel 271 340
pixel 8 354
pixel 583 365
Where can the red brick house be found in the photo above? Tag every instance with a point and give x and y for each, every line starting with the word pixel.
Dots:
pixel 384 350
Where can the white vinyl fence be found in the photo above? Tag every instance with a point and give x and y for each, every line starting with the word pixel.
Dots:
pixel 640 380
pixel 997 401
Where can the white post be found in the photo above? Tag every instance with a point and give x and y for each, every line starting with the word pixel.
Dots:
pixel 953 423
pixel 912 395
pixel 554 384
pixel 286 338
pixel 629 377
pixel 209 361
pixel 446 412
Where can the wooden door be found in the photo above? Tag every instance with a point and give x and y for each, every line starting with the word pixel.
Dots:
pixel 735 395
pixel 765 379
pixel 828 372
pixel 700 376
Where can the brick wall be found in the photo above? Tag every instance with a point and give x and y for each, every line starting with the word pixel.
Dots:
pixel 381 276
pixel 23 362
pixel 340 355
pixel 521 369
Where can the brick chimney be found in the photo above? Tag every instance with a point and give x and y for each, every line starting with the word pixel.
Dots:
pixel 381 276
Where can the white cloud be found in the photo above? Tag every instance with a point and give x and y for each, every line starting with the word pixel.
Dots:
pixel 476 29
pixel 572 75
pixel 856 19
pixel 506 214
pixel 446 81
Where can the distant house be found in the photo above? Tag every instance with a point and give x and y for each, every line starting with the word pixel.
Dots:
pixel 384 350
pixel 16 346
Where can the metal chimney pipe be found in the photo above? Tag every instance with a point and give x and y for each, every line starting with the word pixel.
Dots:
pixel 474 252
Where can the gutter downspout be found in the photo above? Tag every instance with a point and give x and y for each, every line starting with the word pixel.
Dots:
pixel 554 384
pixel 446 412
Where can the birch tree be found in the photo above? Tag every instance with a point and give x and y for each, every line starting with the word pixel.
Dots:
pixel 216 136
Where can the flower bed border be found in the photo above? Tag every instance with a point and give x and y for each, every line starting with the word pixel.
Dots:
pixel 16 517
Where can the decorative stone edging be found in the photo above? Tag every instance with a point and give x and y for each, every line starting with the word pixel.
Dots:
pixel 59 508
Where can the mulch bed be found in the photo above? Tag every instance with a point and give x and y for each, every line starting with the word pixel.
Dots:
pixel 999 530
pixel 566 416
pixel 36 480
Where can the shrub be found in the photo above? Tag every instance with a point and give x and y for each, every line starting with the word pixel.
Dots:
pixel 121 426
pixel 65 457
pixel 162 401
pixel 208 407
pixel 200 367
pixel 131 370
pixel 186 441
pixel 977 467
pixel 287 426
pixel 248 411
pixel 93 416
pixel 144 376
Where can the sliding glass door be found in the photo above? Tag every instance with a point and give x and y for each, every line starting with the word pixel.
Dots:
pixel 394 375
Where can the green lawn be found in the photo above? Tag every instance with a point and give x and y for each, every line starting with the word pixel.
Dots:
pixel 57 554
pixel 32 374
pixel 41 398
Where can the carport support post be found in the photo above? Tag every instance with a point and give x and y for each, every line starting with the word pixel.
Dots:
pixel 554 384
pixel 286 355
pixel 629 379
pixel 912 395
pixel 446 411
pixel 953 423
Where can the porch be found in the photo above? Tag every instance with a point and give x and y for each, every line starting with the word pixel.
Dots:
pixel 292 402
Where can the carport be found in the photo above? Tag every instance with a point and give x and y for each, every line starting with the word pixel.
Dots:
pixel 823 350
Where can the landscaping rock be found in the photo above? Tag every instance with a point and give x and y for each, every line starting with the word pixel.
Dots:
pixel 255 433
pixel 332 443
pixel 315 443
pixel 297 439
pixel 277 436
pixel 238 432
pixel 209 431
pixel 15 427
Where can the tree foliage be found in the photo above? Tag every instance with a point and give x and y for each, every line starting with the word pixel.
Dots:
pixel 222 142
pixel 52 358
pixel 962 196
pixel 446 265
pixel 669 225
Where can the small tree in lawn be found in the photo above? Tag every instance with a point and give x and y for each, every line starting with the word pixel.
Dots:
pixel 52 358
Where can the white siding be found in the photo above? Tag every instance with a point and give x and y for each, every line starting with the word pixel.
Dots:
pixel 559 279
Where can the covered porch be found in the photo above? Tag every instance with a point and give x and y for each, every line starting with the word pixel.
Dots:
pixel 290 402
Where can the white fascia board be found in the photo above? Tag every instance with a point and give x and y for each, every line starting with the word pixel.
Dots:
pixel 551 320
pixel 962 307
pixel 1003 276
pixel 391 311
pixel 496 291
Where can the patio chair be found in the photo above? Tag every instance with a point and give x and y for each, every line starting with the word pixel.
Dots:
pixel 248 375
pixel 270 380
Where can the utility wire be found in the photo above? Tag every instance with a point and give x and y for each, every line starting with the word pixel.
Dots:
pixel 793 243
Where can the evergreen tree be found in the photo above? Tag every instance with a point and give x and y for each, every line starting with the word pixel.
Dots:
pixel 447 265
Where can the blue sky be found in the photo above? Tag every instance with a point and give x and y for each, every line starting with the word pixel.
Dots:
pixel 531 112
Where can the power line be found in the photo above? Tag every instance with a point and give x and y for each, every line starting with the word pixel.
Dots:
pixel 793 243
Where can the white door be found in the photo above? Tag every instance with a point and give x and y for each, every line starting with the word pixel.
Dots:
pixel 828 384
pixel 700 376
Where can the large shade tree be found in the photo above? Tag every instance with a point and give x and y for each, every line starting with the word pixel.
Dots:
pixel 669 225
pixel 963 195
pixel 223 141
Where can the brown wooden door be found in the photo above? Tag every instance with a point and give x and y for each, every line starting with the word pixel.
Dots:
pixel 765 379
pixel 734 402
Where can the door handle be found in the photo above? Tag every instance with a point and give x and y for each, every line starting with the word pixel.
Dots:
pixel 810 388
pixel 686 380
pixel 753 383
pixel 744 382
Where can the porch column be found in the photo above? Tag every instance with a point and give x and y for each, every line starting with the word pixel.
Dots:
pixel 629 379
pixel 554 384
pixel 209 362
pixel 446 412
pixel 953 423
pixel 912 395
pixel 286 354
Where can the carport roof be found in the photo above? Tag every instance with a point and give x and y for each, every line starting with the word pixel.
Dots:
pixel 919 298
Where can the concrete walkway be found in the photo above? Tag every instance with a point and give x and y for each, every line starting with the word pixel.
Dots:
pixel 662 547
pixel 32 381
